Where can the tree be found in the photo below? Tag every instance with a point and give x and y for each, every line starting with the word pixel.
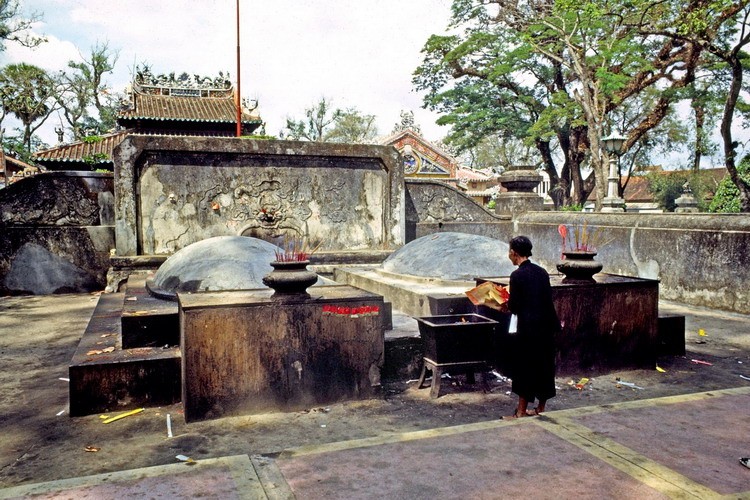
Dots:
pixel 666 187
pixel 553 72
pixel 353 127
pixel 726 43
pixel 28 93
pixel 496 154
pixel 83 89
pixel 322 123
pixel 727 196
pixel 13 28
pixel 718 30
pixel 317 122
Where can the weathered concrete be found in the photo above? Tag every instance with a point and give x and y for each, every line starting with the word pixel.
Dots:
pixel 57 233
pixel 245 353
pixel 219 263
pixel 700 259
pixel 679 444
pixel 433 202
pixel 451 256
pixel 174 191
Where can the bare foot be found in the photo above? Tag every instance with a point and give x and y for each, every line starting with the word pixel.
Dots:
pixel 518 414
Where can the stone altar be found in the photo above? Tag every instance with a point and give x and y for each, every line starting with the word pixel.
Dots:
pixel 608 325
pixel 244 352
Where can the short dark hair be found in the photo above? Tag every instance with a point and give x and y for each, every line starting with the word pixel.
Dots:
pixel 521 245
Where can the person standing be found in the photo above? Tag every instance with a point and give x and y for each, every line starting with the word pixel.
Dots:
pixel 533 371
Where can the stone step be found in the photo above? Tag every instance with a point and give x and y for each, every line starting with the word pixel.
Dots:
pixel 106 377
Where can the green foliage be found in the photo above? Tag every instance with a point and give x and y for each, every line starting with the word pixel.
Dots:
pixel 491 205
pixel 13 145
pixel 554 74
pixel 575 207
pixel 13 28
pixel 95 158
pixel 83 89
pixel 727 197
pixel 666 187
pixel 92 139
pixel 353 127
pixel 318 120
pixel 260 137
pixel 28 93
pixel 322 123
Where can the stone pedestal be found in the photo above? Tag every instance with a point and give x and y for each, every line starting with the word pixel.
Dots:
pixel 686 203
pixel 244 352
pixel 612 203
pixel 520 196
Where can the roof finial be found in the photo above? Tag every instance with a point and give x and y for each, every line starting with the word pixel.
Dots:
pixel 407 122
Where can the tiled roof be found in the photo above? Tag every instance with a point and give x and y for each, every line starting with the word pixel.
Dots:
pixel 637 188
pixel 472 175
pixel 96 151
pixel 195 109
pixel 16 164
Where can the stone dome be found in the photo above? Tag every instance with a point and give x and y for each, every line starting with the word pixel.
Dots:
pixel 214 264
pixel 451 256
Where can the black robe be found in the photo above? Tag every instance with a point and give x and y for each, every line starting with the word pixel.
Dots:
pixel 533 367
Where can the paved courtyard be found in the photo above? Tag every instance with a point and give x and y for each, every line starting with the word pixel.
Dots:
pixel 679 434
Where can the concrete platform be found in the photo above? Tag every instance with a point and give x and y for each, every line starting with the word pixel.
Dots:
pixel 675 447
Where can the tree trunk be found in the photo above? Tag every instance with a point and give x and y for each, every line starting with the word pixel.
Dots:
pixel 730 147
pixel 700 120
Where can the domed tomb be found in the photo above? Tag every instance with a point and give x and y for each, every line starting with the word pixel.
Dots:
pixel 451 256
pixel 214 264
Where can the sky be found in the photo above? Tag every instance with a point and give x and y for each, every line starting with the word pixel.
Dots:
pixel 357 54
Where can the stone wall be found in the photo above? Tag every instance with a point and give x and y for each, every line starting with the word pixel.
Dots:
pixel 174 191
pixel 700 259
pixel 57 233
pixel 431 205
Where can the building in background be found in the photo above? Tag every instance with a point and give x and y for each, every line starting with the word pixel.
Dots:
pixel 158 105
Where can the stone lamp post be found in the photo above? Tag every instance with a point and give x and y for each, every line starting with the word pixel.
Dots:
pixel 613 145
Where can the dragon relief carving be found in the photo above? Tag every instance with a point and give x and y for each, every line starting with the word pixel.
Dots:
pixel 266 204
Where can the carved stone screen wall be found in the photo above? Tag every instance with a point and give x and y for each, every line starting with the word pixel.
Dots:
pixel 56 233
pixel 433 204
pixel 174 191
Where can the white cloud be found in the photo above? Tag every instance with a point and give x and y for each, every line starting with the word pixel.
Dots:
pixel 358 54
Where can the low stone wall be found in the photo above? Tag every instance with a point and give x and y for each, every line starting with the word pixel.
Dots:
pixel 700 259
pixel 57 232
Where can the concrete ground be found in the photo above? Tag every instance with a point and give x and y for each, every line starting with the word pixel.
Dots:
pixel 651 434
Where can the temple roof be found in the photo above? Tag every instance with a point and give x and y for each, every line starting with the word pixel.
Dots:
pixel 184 109
pixel 92 151
pixel 160 105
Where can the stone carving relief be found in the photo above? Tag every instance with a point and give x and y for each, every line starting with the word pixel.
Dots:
pixel 54 202
pixel 436 203
pixel 180 205
pixel 276 208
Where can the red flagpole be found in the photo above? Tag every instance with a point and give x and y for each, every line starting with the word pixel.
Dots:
pixel 239 100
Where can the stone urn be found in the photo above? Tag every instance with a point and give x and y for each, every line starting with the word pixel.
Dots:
pixel 290 278
pixel 579 266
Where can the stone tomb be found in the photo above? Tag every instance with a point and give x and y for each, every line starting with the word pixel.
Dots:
pixel 244 352
pixel 607 325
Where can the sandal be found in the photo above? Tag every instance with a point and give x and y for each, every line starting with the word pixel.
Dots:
pixel 745 461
